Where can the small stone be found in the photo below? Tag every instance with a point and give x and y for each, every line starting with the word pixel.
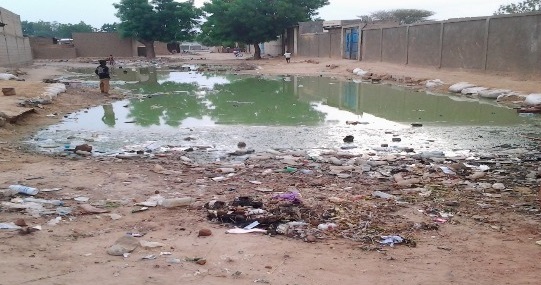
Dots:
pixel 452 203
pixel 348 139
pixel 384 145
pixel 84 147
pixel 241 145
pixel 20 223
pixel 311 238
pixel 397 139
pixel 498 186
pixel 204 233
pixel 201 261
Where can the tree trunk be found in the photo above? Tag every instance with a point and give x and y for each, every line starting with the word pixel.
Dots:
pixel 149 48
pixel 257 51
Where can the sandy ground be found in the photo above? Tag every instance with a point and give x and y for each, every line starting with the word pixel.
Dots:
pixel 467 251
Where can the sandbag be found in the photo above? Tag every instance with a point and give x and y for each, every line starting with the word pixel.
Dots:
pixel 458 87
pixel 533 99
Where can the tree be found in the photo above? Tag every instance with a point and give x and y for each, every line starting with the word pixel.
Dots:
pixel 66 30
pixel 402 16
pixel 109 28
pixel 39 29
pixel 54 29
pixel 522 7
pixel 254 21
pixel 159 20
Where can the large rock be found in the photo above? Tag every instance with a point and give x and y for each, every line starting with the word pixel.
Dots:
pixel 533 99
pixel 125 244
pixel 458 87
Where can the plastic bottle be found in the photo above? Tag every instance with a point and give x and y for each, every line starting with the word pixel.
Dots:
pixel 177 202
pixel 24 189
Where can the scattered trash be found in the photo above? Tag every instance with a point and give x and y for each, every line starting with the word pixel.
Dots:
pixel 289 169
pixel 391 240
pixel 327 226
pixel 44 201
pixel 173 260
pixel 89 209
pixel 9 226
pixel 252 225
pixel 114 217
pixel 293 197
pixel 24 189
pixel 177 202
pixel 151 244
pixel 81 199
pixel 383 195
pixel 54 221
pixel 139 209
pixel 243 231
pixel 198 260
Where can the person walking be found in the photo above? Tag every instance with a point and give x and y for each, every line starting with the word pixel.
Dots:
pixel 103 73
pixel 111 60
pixel 287 55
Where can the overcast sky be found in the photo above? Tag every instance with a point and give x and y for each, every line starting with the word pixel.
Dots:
pixel 98 12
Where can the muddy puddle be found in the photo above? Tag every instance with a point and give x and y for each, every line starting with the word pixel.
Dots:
pixel 212 112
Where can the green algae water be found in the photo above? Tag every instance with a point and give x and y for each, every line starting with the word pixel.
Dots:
pixel 184 107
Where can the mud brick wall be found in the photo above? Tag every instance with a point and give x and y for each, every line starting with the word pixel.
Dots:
pixel 14 48
pixel 103 44
pixel 510 43
pixel 54 52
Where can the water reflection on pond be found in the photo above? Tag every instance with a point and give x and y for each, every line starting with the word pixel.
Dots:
pixel 298 112
pixel 194 99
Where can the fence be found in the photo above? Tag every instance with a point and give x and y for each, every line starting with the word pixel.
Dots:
pixel 510 43
pixel 327 44
pixel 14 48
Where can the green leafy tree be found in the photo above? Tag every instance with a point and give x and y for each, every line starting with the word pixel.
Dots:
pixel 109 28
pixel 157 20
pixel 401 16
pixel 521 7
pixel 66 30
pixel 54 29
pixel 40 28
pixel 254 21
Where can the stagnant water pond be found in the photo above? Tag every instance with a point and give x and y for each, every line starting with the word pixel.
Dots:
pixel 172 108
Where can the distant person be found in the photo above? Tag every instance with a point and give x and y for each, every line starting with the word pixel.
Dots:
pixel 287 55
pixel 103 73
pixel 111 60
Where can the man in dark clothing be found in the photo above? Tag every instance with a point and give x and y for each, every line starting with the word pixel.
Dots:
pixel 103 73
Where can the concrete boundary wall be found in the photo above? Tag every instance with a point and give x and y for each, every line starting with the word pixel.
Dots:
pixel 326 44
pixel 510 43
pixel 14 48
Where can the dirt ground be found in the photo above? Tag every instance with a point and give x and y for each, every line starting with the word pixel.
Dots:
pixel 467 251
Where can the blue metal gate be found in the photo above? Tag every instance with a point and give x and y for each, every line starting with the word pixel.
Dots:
pixel 352 43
